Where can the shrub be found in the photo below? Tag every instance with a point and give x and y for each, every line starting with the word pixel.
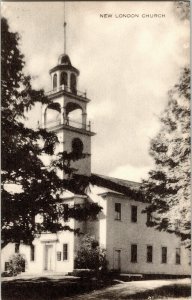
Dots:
pixel 90 255
pixel 16 264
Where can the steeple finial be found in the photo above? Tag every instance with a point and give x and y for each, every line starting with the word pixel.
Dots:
pixel 65 38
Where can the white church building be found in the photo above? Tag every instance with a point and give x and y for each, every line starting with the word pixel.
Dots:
pixel 131 246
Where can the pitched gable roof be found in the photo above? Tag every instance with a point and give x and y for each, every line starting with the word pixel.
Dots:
pixel 126 187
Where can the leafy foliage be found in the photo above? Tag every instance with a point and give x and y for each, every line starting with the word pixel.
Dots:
pixel 90 255
pixel 168 186
pixel 16 264
pixel 22 151
pixel 182 10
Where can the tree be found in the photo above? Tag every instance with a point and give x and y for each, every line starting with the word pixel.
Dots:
pixel 90 255
pixel 22 149
pixel 168 186
pixel 182 10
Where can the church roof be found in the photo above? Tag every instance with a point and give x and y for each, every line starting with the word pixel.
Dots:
pixel 126 187
pixel 64 63
pixel 64 59
pixel 122 182
pixel 110 184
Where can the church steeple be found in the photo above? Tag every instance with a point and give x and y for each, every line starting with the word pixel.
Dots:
pixel 64 75
pixel 74 134
pixel 65 32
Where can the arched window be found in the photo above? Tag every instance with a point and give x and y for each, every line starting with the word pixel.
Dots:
pixel 63 78
pixel 54 81
pixel 53 115
pixel 73 84
pixel 77 148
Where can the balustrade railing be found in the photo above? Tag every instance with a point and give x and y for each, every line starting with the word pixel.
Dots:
pixel 68 90
pixel 69 122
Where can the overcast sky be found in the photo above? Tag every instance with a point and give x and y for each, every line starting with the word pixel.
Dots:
pixel 127 65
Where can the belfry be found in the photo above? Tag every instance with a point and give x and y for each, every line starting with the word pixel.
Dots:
pixel 74 134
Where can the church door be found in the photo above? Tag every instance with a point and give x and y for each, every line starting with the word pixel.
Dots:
pixel 49 257
pixel 117 260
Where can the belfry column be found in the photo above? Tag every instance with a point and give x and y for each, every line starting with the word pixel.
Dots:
pixel 58 81
pixel 63 115
pixel 84 120
pixel 68 82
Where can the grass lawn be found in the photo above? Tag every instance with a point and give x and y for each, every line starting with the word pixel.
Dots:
pixel 86 289
pixel 47 288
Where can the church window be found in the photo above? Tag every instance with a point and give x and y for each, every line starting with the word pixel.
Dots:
pixel 16 247
pixel 149 217
pixel 32 253
pixel 63 78
pixel 134 253
pixel 178 256
pixel 65 251
pixel 77 148
pixel 149 254
pixel 73 84
pixel 6 266
pixel 58 255
pixel 117 211
pixel 54 81
pixel 133 213
pixel 164 255
pixel 66 212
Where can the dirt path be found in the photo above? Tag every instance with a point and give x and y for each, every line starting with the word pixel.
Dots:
pixel 150 289
pixel 71 288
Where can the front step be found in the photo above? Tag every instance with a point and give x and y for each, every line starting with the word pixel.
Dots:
pixel 43 274
pixel 129 277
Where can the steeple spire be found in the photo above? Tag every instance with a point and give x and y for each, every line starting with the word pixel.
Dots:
pixel 65 37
